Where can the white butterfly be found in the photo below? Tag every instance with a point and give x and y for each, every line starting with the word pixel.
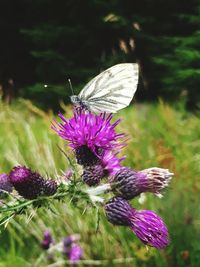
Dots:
pixel 111 90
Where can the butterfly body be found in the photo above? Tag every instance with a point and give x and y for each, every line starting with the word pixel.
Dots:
pixel 77 101
pixel 110 91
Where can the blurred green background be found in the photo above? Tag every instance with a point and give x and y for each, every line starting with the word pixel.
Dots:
pixel 46 42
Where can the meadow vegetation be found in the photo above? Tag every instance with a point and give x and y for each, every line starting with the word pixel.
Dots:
pixel 159 135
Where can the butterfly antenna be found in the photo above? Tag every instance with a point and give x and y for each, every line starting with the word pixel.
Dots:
pixel 70 85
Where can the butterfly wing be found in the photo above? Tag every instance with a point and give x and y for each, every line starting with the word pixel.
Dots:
pixel 111 90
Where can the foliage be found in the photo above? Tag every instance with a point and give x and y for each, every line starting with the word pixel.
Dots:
pixel 46 96
pixel 160 135
pixel 48 42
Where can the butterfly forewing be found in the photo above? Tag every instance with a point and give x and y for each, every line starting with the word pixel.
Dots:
pixel 111 90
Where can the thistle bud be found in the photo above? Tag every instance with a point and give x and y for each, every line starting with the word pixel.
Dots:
pixel 118 211
pixel 93 174
pixel 5 185
pixel 30 184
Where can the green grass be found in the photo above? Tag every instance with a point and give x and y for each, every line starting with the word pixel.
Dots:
pixel 160 135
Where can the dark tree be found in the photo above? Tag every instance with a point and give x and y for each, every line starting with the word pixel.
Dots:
pixel 46 41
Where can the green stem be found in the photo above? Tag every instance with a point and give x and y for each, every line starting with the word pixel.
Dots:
pixel 30 202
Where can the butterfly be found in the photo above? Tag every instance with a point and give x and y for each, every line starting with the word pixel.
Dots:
pixel 111 90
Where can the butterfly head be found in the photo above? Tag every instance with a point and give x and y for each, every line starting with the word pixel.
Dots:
pixel 75 99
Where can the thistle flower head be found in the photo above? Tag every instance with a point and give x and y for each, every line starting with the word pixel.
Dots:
pixel 150 228
pixel 20 174
pixel 147 226
pixel 47 240
pixel 75 253
pixel 30 184
pixel 157 178
pixel 5 184
pixel 130 183
pixel 92 131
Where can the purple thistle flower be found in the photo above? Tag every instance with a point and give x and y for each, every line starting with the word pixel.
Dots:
pixel 130 183
pixel 67 242
pixel 66 250
pixel 89 134
pixel 150 229
pixel 30 184
pixel 47 240
pixel 158 179
pixel 146 225
pixel 5 184
pixel 75 253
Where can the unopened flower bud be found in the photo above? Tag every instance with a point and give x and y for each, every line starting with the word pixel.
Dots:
pixel 5 184
pixel 30 184
pixel 93 174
